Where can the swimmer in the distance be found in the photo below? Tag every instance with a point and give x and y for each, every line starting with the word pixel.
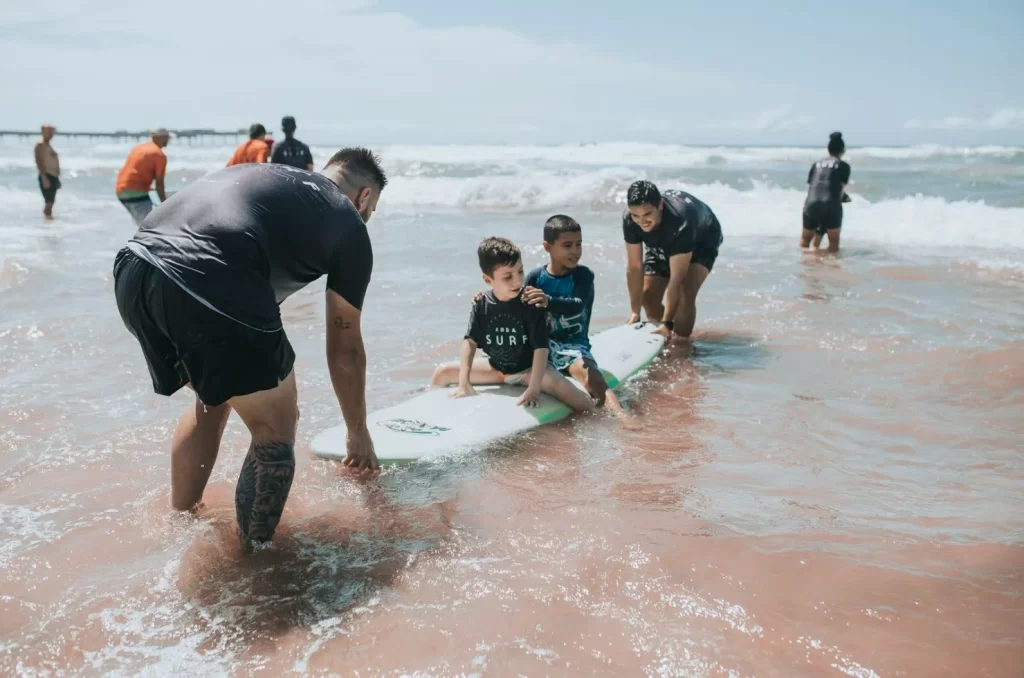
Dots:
pixel 826 193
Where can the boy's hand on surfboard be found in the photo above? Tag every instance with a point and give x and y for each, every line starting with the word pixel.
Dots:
pixel 530 398
pixel 634 318
pixel 463 391
pixel 361 456
pixel 535 297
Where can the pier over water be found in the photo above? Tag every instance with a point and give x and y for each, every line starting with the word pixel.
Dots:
pixel 188 136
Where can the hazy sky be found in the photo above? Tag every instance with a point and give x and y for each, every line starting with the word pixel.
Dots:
pixel 456 71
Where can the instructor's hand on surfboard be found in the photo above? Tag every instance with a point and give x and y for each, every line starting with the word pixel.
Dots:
pixel 361 455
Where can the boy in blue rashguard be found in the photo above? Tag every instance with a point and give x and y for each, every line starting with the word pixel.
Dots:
pixel 569 289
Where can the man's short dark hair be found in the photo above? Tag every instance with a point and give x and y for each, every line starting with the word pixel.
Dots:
pixel 559 224
pixel 495 252
pixel 288 122
pixel 360 167
pixel 643 192
pixel 256 130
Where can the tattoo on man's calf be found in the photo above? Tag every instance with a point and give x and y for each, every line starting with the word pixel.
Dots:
pixel 262 489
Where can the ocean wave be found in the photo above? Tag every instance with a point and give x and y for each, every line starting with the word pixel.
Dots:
pixel 470 159
pixel 670 155
pixel 764 210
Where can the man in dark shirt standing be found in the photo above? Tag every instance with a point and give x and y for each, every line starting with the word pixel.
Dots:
pixel 672 241
pixel 199 287
pixel 291 151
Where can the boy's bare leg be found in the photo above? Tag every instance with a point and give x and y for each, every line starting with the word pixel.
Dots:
pixel 480 374
pixel 560 387
pixel 593 380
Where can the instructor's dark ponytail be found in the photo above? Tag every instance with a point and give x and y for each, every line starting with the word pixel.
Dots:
pixel 836 145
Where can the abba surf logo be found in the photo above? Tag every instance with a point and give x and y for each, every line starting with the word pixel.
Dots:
pixel 505 339
pixel 412 426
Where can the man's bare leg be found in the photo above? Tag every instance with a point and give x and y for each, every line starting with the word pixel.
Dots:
pixel 269 467
pixel 686 316
pixel 817 240
pixel 654 293
pixel 194 452
pixel 833 240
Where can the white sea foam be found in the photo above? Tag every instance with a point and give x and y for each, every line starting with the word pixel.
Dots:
pixel 76 157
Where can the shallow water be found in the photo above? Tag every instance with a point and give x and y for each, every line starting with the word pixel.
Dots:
pixel 828 483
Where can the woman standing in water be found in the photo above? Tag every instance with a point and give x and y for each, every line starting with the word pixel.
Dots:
pixel 826 193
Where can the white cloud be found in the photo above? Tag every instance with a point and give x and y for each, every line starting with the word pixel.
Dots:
pixel 1007 118
pixel 339 67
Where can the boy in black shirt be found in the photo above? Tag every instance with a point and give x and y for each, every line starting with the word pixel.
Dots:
pixel 513 333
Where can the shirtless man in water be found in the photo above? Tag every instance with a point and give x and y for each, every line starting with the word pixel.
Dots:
pixel 199 286
pixel 48 166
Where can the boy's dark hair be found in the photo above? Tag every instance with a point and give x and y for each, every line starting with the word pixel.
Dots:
pixel 643 192
pixel 559 224
pixel 256 129
pixel 360 167
pixel 495 252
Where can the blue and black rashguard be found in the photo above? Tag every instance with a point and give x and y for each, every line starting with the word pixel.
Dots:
pixel 570 303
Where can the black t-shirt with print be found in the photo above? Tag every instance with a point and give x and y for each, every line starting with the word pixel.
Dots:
pixel 507 331
pixel 686 225
pixel 292 152
pixel 825 181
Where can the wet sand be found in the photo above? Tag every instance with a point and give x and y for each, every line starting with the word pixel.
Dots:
pixel 828 482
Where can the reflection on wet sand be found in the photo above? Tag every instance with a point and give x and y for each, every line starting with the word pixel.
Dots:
pixel 825 481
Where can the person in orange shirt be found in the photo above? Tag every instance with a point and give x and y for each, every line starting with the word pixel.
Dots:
pixel 253 150
pixel 146 165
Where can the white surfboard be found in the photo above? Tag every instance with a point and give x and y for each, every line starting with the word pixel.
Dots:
pixel 433 424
